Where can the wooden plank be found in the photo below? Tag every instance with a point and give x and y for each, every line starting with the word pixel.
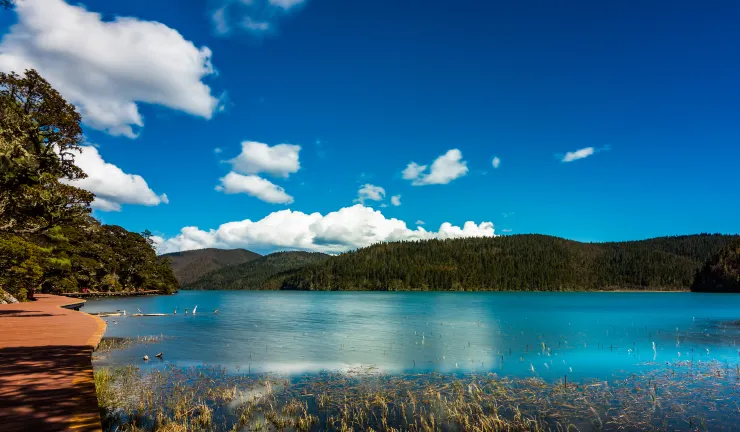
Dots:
pixel 46 376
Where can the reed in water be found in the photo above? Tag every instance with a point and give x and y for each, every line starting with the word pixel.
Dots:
pixel 678 396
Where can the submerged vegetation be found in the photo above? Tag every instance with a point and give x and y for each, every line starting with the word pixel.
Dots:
pixel 108 344
pixel 48 241
pixel 679 396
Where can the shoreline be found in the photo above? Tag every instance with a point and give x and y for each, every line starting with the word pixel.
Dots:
pixel 686 290
pixel 93 295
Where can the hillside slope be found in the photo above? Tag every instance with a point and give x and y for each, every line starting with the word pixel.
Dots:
pixel 188 266
pixel 252 275
pixel 519 262
pixel 721 273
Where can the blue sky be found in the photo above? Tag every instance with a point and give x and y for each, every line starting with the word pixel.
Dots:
pixel 366 88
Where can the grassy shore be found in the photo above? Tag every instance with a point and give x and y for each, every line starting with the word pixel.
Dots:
pixel 680 396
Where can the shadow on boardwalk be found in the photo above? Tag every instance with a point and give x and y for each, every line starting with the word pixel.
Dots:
pixel 12 313
pixel 35 401
pixel 46 377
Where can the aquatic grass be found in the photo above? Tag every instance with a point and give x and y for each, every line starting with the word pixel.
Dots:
pixel 682 396
pixel 108 344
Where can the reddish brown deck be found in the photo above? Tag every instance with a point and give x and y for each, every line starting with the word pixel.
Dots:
pixel 46 377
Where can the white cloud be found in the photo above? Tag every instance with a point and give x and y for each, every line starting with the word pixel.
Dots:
pixel 257 17
pixel 217 150
pixel 578 154
pixel 255 186
pixel 396 200
pixel 286 4
pixel 370 192
pixel 413 171
pixel 279 160
pixel 339 231
pixel 111 186
pixel 420 222
pixel 496 162
pixel 443 170
pixel 106 67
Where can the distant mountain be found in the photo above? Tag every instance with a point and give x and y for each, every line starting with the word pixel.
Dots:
pixel 518 262
pixel 265 272
pixel 721 273
pixel 190 265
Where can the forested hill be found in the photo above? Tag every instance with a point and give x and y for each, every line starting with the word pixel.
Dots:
pixel 253 275
pixel 722 272
pixel 189 266
pixel 518 262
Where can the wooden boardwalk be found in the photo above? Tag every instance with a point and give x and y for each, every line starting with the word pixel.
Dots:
pixel 46 377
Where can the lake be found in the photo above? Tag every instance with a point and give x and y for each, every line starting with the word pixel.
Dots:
pixel 547 335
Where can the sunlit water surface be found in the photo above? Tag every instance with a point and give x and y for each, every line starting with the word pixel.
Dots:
pixel 582 335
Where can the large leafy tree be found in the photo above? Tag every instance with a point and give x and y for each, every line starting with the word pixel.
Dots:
pixel 48 240
pixel 40 134
pixel 21 266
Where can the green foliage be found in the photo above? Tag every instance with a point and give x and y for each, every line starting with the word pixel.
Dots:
pixel 21 266
pixel 721 273
pixel 522 262
pixel 105 258
pixel 39 135
pixel 262 273
pixel 189 266
pixel 48 241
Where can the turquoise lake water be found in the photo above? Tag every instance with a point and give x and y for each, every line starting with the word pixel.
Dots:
pixel 549 335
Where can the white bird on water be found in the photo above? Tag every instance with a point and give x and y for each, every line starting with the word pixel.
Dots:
pixel 655 352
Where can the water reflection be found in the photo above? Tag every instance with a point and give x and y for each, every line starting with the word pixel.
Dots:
pixel 520 334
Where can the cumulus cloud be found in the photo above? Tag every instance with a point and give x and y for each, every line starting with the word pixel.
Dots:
pixel 280 160
pixel 257 17
pixel 286 4
pixel 370 192
pixel 419 222
pixel 443 170
pixel 255 186
pixel 396 200
pixel 578 154
pixel 106 67
pixel 413 171
pixel 339 231
pixel 111 186
pixel 496 162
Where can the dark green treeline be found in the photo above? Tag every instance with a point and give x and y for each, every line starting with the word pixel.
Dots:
pixel 519 262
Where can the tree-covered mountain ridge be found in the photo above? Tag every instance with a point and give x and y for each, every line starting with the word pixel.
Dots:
pixel 529 262
pixel 721 273
pixel 190 266
pixel 255 274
